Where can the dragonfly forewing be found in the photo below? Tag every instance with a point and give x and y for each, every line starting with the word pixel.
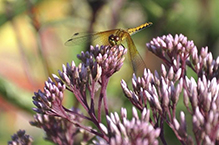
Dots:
pixel 100 38
pixel 80 38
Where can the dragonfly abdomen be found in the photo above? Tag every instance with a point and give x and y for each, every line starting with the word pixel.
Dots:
pixel 132 31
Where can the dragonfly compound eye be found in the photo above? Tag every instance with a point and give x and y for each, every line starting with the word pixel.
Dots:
pixel 114 40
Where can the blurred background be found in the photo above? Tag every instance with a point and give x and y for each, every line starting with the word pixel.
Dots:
pixel 33 33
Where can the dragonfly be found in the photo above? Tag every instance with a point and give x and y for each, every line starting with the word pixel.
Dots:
pixel 114 37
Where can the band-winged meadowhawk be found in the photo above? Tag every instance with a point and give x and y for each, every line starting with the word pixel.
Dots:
pixel 113 37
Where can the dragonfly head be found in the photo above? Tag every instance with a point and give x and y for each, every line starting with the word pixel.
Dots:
pixel 114 40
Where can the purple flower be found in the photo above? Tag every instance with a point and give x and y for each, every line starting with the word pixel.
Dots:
pixel 20 138
pixel 155 95
pixel 138 130
pixel 178 52
pixel 59 130
pixel 62 124
pixel 162 91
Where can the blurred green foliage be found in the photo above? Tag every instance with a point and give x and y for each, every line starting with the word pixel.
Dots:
pixel 32 47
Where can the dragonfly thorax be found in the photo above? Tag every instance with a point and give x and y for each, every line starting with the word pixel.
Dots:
pixel 114 40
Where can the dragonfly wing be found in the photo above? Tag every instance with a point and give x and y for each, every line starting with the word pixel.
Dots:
pixel 103 38
pixel 80 38
pixel 134 56
pixel 100 38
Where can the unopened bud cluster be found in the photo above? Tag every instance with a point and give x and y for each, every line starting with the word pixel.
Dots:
pixel 162 92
